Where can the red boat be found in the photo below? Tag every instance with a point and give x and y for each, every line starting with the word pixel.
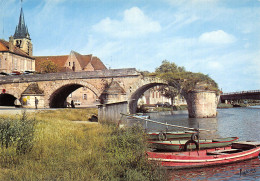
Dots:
pixel 239 151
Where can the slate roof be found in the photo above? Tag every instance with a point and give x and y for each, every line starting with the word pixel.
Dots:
pixel 33 89
pixel 114 88
pixel 4 47
pixel 21 30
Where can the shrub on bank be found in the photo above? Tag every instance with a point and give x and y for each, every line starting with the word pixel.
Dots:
pixel 126 149
pixel 16 138
pixel 66 150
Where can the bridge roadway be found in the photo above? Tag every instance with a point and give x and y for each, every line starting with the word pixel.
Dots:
pixel 111 73
pixel 252 94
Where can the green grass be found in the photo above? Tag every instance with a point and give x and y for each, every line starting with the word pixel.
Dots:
pixel 66 150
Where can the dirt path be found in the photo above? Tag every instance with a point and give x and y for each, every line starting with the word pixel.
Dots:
pixel 13 110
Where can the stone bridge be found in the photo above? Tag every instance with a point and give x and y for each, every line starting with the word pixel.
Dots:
pixel 118 91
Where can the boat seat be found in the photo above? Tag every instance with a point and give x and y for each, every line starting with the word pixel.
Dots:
pixel 223 152
pixel 245 144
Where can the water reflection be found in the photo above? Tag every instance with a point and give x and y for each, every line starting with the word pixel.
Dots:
pixel 180 118
pixel 241 122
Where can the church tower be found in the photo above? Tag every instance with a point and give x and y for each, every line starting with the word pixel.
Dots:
pixel 22 37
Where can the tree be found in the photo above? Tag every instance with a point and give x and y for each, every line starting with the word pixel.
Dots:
pixel 181 81
pixel 169 92
pixel 47 66
pixel 170 72
pixel 188 81
pixel 169 67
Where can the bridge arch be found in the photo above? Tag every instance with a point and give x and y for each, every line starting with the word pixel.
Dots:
pixel 138 93
pixel 58 97
pixel 7 99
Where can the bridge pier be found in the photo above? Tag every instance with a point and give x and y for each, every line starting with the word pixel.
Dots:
pixel 202 104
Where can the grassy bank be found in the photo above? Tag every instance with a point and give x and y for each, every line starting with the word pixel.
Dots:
pixel 62 149
pixel 223 105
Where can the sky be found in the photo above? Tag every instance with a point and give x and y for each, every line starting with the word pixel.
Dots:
pixel 220 38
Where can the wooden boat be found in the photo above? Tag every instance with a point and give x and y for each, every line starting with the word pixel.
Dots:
pixel 239 151
pixel 163 136
pixel 141 116
pixel 183 145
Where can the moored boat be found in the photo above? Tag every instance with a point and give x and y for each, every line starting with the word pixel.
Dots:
pixel 169 135
pixel 183 145
pixel 239 151
pixel 141 116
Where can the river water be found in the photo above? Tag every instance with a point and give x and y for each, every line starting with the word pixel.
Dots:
pixel 241 122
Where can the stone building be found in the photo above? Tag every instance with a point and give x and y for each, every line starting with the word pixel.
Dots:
pixel 72 62
pixel 16 55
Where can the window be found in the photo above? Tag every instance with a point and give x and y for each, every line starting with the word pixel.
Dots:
pixel 85 96
pixel 69 63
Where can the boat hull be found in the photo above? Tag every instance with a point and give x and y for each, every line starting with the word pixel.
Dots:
pixel 179 160
pixel 180 144
pixel 170 135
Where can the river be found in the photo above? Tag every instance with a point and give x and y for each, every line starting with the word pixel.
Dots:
pixel 241 122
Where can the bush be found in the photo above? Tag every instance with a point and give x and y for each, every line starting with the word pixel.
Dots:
pixel 126 150
pixel 17 133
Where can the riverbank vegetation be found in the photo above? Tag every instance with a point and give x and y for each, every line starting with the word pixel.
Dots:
pixel 62 148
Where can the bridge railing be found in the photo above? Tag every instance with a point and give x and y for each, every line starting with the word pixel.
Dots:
pixel 241 92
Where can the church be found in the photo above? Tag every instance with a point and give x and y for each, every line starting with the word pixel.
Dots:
pixel 16 54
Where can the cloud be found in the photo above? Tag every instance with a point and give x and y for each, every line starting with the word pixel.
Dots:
pixel 191 2
pixel 134 23
pixel 54 1
pixel 217 37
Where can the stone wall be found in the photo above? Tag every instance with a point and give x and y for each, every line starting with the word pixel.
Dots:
pixel 28 101
pixel 11 62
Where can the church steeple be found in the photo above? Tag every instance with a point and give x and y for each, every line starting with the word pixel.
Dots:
pixel 22 37
pixel 21 30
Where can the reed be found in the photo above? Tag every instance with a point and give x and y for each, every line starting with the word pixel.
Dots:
pixel 66 150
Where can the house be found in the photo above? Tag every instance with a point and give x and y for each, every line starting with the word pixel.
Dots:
pixel 74 62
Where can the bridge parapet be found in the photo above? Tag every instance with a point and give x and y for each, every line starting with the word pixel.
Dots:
pixel 241 92
pixel 251 94
pixel 111 73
